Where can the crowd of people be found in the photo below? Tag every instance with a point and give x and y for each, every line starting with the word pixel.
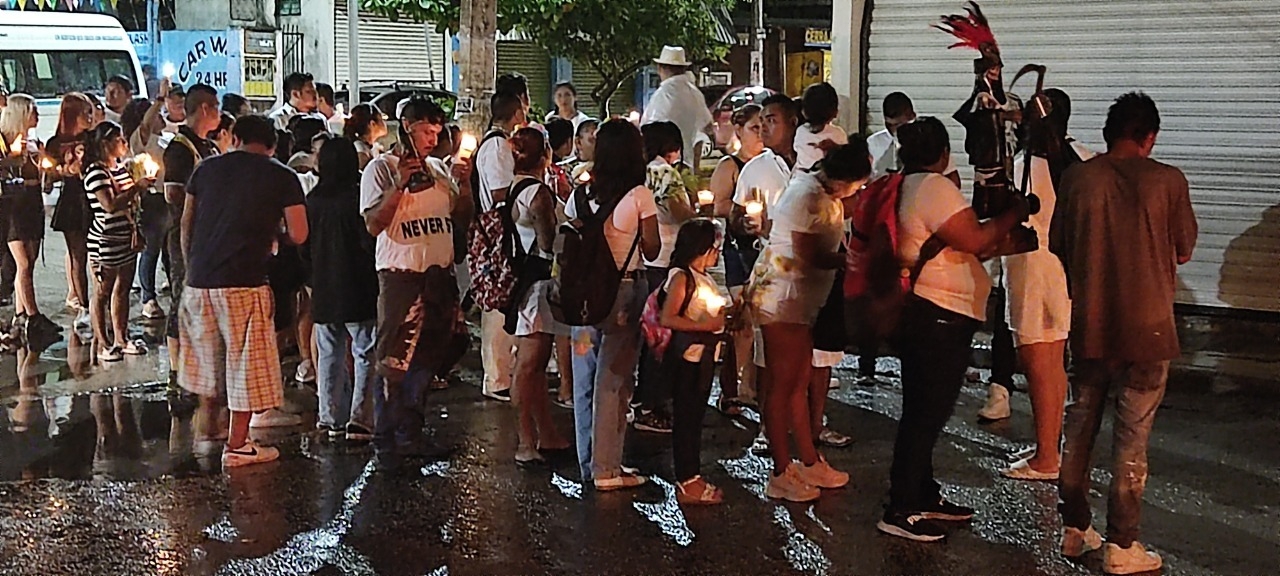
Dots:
pixel 312 227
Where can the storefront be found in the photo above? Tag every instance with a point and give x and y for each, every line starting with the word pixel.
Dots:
pixel 390 51
pixel 812 64
pixel 1211 69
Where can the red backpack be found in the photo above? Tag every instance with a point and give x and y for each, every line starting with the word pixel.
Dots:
pixel 873 272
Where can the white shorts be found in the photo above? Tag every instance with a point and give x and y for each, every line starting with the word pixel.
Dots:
pixel 1037 303
pixel 535 315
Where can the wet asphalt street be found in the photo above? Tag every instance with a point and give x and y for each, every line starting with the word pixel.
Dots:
pixel 97 479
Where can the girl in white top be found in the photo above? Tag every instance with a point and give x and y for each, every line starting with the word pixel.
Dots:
pixel 534 214
pixel 566 101
pixel 1039 308
pixel 818 134
pixel 789 285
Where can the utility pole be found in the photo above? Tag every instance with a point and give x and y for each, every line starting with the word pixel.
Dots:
pixel 353 53
pixel 757 44
pixel 478 57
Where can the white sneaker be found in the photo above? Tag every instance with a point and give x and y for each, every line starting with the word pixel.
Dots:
pixel 1077 542
pixel 790 486
pixel 274 418
pixel 152 310
pixel 250 453
pixel 306 373
pixel 833 383
pixel 997 407
pixel 1131 560
pixel 82 325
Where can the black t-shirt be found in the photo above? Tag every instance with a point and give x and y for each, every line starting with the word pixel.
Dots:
pixel 179 163
pixel 344 279
pixel 241 199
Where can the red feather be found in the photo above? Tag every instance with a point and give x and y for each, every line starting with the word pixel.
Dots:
pixel 971 29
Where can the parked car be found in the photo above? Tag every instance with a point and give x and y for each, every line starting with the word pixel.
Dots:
pixel 386 95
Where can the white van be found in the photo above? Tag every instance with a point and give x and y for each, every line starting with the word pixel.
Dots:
pixel 47 54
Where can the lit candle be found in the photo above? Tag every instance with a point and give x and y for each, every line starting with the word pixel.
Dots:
pixel 584 177
pixel 46 163
pixel 149 166
pixel 18 146
pixel 713 300
pixel 754 208
pixel 468 145
pixel 706 198
pixel 634 117
pixel 169 70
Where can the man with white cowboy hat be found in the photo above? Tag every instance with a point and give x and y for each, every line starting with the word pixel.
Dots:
pixel 678 100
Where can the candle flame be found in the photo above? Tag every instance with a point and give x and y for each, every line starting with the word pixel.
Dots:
pixel 754 208
pixel 18 146
pixel 633 117
pixel 149 166
pixel 706 197
pixel 169 70
pixel 711 298
pixel 584 177
pixel 468 145
pixel 46 163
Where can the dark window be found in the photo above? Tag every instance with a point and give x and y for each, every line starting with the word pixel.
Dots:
pixel 52 73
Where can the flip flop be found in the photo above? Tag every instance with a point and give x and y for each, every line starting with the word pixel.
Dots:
pixel 1022 470
pixel 134 348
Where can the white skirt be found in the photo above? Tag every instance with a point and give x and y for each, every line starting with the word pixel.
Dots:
pixel 535 314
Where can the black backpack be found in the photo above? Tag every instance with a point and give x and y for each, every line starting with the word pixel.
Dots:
pixel 587 285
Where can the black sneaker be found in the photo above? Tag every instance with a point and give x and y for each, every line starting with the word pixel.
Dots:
pixel 652 422
pixel 944 510
pixel 912 526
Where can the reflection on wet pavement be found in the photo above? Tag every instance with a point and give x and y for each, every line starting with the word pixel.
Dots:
pixel 666 514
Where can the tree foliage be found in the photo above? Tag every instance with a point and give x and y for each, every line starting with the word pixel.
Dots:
pixel 616 38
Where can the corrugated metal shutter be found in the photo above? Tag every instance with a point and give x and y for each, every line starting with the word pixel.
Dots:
pixel 531 60
pixel 1212 69
pixel 391 51
pixel 585 79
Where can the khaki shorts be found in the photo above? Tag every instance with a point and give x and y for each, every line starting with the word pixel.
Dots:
pixel 229 343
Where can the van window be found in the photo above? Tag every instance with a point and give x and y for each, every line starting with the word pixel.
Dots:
pixel 52 73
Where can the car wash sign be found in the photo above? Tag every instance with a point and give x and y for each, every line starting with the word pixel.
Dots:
pixel 210 57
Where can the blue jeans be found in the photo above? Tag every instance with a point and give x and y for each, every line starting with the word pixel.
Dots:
pixel 341 402
pixel 604 374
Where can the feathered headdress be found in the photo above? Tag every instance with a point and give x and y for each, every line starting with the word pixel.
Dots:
pixel 974 32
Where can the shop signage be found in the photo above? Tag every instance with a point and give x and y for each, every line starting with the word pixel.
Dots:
pixel 817 38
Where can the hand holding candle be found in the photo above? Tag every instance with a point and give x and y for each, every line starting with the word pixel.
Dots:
pixel 468 145
pixel 147 167
pixel 712 299
pixel 706 202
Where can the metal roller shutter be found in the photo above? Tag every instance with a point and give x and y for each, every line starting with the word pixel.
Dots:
pixel 390 51
pixel 1212 69
pixel 585 79
pixel 531 60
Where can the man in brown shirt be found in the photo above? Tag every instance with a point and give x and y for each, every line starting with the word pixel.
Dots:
pixel 1122 226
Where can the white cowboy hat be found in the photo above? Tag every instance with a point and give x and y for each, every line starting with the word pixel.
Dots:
pixel 672 56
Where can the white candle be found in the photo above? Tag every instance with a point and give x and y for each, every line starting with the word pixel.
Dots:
pixel 634 117
pixel 169 70
pixel 468 145
pixel 754 208
pixel 149 166
pixel 706 197
pixel 713 300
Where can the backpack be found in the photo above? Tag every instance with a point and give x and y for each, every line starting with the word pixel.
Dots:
pixel 528 269
pixel 587 285
pixel 655 334
pixel 873 273
pixel 493 254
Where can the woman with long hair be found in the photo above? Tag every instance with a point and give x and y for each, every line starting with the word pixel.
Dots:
pixel 565 99
pixel 604 356
pixel 365 126
pixel 789 286
pixel 739 252
pixel 113 195
pixel 534 215
pixel 71 212
pixel 24 211
pixel 345 297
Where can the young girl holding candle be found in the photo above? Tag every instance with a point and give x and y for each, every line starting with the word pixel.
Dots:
pixel 695 310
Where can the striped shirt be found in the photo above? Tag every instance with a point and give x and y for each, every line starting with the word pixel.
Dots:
pixel 110 240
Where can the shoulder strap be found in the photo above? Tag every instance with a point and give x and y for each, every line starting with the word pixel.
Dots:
pixel 689 289
pixel 510 220
pixel 181 139
pixel 737 161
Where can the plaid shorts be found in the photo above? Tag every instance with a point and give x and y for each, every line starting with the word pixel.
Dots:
pixel 229 342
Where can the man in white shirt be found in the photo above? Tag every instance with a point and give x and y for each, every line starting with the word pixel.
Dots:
pixel 326 107
pixel 302 100
pixel 678 100
pixel 409 202
pixel 764 177
pixel 898 111
pixel 495 171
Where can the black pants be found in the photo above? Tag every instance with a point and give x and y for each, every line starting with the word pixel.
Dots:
pixel 691 387
pixel 1003 355
pixel 653 392
pixel 935 350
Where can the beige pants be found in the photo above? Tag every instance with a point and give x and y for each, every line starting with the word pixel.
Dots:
pixel 497 352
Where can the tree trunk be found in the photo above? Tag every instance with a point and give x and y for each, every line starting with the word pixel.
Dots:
pixel 477 58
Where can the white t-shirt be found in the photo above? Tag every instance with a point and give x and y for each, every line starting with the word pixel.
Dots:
pixel 806 143
pixel 622 228
pixel 678 100
pixel 698 310
pixel 805 207
pixel 577 119
pixel 524 214
pixel 421 232
pixel 953 280
pixel 667 185
pixel 282 115
pixel 884 155
pixel 768 172
pixel 496 166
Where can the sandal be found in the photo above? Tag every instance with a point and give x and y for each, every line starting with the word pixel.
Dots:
pixel 566 403
pixel 1022 470
pixel 112 354
pixel 135 348
pixel 709 495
